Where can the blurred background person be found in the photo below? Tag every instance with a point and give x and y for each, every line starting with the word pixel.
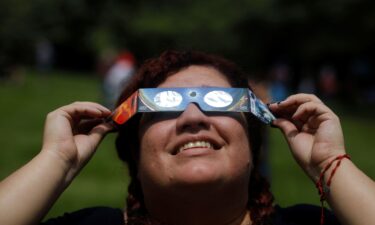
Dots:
pixel 327 83
pixel 307 85
pixel 361 81
pixel 279 82
pixel 44 54
pixel 117 76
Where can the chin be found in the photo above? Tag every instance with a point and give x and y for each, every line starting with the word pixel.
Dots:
pixel 200 174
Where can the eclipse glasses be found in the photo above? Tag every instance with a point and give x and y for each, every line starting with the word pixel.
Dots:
pixel 209 99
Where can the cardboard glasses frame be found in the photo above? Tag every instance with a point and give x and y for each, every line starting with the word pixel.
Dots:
pixel 209 99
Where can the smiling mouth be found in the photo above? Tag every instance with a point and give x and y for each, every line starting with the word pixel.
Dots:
pixel 196 144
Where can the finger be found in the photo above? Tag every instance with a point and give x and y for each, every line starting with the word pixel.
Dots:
pixel 308 109
pixel 300 98
pixel 92 104
pixel 311 125
pixel 89 109
pixel 293 101
pixel 86 125
pixel 83 110
pixel 98 132
pixel 282 111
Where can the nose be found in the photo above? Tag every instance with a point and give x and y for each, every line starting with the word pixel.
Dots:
pixel 192 120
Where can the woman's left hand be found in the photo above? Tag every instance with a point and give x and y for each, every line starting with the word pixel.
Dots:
pixel 312 130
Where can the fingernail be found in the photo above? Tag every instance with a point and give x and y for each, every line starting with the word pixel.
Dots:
pixel 270 103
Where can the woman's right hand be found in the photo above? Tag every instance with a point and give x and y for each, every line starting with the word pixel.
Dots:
pixel 73 132
pixel 71 135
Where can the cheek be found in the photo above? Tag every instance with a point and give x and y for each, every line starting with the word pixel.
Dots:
pixel 147 153
pixel 152 135
pixel 236 132
pixel 242 146
pixel 153 141
pixel 243 160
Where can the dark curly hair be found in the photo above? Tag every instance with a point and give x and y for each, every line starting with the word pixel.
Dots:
pixel 152 73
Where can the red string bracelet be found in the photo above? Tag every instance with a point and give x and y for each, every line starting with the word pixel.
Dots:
pixel 323 188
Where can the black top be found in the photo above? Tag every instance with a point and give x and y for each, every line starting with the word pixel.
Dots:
pixel 90 216
pixel 294 215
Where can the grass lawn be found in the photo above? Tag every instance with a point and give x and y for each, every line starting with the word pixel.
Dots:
pixel 104 180
pixel 289 183
pixel 23 110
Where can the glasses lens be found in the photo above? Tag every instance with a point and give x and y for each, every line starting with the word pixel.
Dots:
pixel 218 99
pixel 168 99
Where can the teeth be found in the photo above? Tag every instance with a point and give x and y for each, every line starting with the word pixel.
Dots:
pixel 195 144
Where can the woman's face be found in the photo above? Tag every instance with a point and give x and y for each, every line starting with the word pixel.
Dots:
pixel 193 148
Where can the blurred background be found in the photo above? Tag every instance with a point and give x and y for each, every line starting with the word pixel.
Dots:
pixel 56 52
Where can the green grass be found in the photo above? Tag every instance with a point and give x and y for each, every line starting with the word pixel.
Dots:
pixel 104 180
pixel 291 186
pixel 23 109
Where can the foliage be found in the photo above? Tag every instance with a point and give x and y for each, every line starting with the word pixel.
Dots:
pixel 252 32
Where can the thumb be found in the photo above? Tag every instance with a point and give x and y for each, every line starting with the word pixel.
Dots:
pixel 88 143
pixel 288 128
pixel 98 132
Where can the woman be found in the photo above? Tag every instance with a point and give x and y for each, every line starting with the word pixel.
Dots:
pixel 191 167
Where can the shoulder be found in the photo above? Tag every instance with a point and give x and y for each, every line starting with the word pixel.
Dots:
pixel 89 216
pixel 303 214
